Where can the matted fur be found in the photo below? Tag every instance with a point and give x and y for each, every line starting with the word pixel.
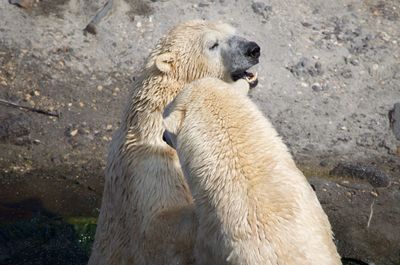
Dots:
pixel 254 206
pixel 146 214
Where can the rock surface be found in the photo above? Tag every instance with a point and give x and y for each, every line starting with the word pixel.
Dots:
pixel 365 220
pixel 394 117
pixel 369 173
pixel 328 77
pixel 14 129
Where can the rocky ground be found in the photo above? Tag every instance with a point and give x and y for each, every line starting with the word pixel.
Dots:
pixel 329 81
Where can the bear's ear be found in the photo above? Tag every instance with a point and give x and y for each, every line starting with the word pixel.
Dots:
pixel 165 62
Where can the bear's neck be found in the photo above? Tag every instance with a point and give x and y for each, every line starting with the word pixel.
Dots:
pixel 143 115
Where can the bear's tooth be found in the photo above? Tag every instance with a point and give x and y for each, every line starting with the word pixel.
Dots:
pixel 254 77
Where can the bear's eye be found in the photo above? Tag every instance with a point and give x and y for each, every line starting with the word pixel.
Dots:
pixel 214 46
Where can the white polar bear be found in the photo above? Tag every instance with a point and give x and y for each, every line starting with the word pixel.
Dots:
pixel 146 215
pixel 254 206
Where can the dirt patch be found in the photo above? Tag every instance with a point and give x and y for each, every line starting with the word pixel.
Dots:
pixel 387 9
pixel 14 129
pixel 50 7
pixel 139 8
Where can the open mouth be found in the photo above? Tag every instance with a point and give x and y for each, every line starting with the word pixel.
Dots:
pixel 251 78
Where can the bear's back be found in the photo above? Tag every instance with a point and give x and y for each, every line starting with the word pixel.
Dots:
pixel 229 135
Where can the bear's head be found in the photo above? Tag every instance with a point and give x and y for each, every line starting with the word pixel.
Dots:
pixel 197 49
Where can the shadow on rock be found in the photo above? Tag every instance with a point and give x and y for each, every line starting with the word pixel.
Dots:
pixel 365 220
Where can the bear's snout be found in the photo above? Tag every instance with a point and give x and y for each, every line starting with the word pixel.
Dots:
pixel 253 50
pixel 240 55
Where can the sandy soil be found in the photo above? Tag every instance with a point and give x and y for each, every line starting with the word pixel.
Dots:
pixel 329 75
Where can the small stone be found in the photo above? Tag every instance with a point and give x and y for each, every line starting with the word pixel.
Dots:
pixel 203 4
pixel 306 24
pixel 394 119
pixel 316 87
pixel 100 88
pixel 36 93
pixel 385 36
pixel 73 132
pixel 81 104
pixel 354 62
pixel 318 66
pixel 109 127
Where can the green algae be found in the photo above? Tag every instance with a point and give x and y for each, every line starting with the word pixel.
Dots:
pixel 85 228
pixel 46 240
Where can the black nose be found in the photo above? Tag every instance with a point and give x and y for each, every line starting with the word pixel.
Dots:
pixel 253 50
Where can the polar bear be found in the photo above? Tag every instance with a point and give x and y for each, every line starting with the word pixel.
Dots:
pixel 254 206
pixel 147 215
